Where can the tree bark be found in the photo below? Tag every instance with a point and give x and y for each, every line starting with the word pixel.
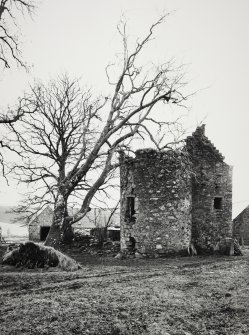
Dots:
pixel 60 232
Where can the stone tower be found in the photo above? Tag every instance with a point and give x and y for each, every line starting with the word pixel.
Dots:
pixel 156 202
pixel 171 199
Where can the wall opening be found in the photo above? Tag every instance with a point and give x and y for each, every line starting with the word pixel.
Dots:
pixel 130 211
pixel 44 232
pixel 131 245
pixel 218 203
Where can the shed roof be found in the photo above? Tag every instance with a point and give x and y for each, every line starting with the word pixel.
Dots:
pixel 97 217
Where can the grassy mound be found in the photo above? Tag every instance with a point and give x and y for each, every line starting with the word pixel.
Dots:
pixel 32 255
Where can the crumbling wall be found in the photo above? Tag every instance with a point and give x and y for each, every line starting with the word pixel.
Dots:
pixel 241 227
pixel 156 202
pixel 211 193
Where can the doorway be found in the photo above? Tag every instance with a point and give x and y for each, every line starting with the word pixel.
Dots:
pixel 44 232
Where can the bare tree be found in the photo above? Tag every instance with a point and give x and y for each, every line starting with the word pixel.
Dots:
pixel 70 142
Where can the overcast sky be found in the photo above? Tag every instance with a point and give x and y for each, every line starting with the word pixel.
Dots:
pixel 80 37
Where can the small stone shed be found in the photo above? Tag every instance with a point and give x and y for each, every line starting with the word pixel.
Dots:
pixel 241 227
pixel 40 225
pixel 96 218
pixel 172 200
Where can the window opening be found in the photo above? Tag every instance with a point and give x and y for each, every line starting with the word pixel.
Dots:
pixel 131 207
pixel 217 203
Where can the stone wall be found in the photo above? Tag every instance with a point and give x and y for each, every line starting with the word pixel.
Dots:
pixel 44 219
pixel 156 202
pixel 241 227
pixel 211 193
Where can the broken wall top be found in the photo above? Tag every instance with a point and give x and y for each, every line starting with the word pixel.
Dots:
pixel 199 145
pixel 153 155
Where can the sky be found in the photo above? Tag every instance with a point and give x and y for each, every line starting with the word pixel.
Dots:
pixel 209 37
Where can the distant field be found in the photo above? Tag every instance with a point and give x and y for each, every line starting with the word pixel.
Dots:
pixel 185 296
pixel 6 215
pixel 14 232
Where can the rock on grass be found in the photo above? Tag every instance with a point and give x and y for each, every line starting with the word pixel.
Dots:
pixel 32 255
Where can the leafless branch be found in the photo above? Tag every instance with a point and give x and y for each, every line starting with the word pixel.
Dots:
pixel 9 42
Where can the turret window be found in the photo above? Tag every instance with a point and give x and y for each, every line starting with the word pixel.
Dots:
pixel 218 203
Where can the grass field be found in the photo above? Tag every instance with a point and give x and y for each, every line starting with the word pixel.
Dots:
pixel 182 296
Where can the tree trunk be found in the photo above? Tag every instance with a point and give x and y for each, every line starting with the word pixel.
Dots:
pixel 60 232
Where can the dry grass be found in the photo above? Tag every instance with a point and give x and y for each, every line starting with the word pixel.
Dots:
pixel 198 296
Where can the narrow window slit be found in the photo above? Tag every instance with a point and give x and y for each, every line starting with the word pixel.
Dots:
pixel 217 203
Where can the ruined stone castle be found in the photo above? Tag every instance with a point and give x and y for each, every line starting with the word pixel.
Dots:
pixel 171 200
